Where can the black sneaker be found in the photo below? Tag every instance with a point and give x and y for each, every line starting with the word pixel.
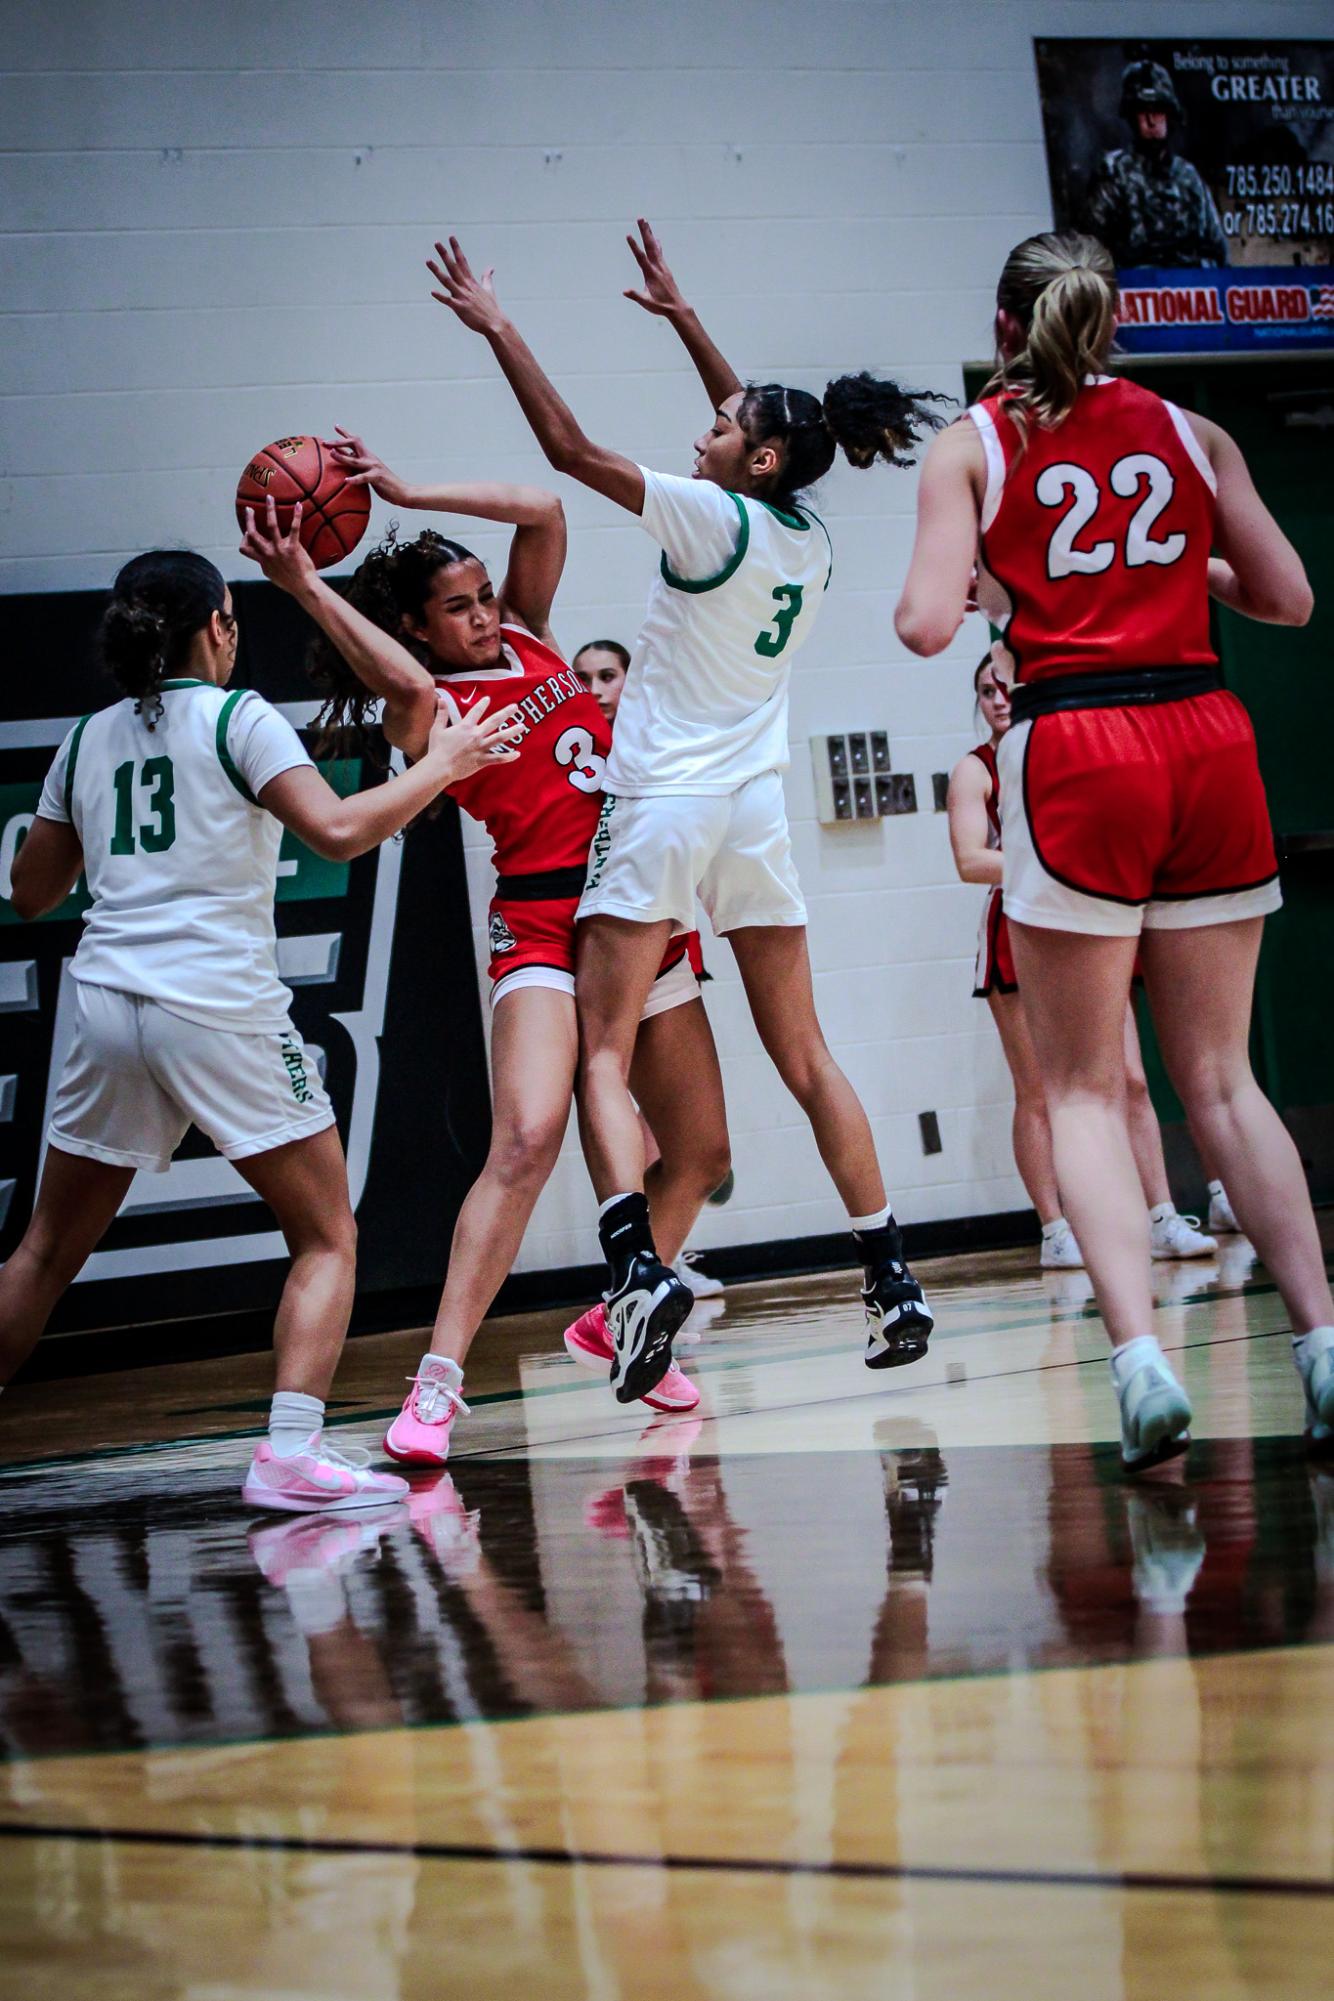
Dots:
pixel 643 1314
pixel 898 1319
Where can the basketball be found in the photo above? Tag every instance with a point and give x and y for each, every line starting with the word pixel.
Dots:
pixel 333 513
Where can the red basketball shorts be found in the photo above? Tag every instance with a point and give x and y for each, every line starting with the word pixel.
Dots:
pixel 532 945
pixel 994 970
pixel 1121 819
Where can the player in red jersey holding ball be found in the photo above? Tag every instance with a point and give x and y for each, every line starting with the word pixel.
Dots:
pixel 460 635
pixel 1135 815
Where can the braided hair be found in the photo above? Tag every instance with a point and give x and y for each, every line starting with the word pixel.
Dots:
pixel 866 418
pixel 159 601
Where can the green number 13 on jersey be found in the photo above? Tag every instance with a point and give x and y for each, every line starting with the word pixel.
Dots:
pixel 158 774
pixel 788 599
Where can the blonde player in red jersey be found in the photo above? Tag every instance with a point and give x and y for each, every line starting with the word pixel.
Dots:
pixel 436 597
pixel 1135 815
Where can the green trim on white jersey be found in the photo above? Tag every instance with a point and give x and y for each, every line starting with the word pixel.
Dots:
pixel 70 763
pixel 729 568
pixel 224 755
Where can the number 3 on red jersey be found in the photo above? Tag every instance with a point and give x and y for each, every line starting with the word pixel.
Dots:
pixel 1056 481
pixel 575 748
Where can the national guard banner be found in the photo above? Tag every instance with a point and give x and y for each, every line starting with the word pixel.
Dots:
pixel 378 954
pixel 1207 168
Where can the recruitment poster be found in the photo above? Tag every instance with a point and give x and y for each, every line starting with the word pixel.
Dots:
pixel 1207 168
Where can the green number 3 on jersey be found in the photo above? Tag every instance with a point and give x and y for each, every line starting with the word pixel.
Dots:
pixel 788 598
pixel 154 840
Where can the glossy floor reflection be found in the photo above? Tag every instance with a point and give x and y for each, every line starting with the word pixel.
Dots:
pixel 842 1685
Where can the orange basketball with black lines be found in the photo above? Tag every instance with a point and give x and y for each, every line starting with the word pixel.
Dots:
pixel 333 514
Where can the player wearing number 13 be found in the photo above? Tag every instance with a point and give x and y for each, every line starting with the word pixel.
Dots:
pixel 1134 813
pixel 173 801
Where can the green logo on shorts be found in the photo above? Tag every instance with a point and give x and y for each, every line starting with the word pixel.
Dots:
pixel 294 1058
pixel 601 844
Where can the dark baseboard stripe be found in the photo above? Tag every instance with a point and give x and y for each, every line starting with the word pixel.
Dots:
pixel 901 1872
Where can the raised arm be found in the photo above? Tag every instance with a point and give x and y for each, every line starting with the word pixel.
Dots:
pixel 1256 571
pixel 938 592
pixel 379 661
pixel 537 552
pixel 966 804
pixel 473 301
pixel 662 295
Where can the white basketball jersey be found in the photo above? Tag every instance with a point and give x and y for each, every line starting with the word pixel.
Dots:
pixel 706 697
pixel 181 862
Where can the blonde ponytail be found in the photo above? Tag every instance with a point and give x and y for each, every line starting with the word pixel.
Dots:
pixel 1061 288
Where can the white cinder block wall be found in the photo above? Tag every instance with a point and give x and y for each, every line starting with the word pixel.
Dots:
pixel 214 221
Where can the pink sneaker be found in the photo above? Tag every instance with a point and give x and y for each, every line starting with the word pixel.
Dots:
pixel 320 1480
pixel 419 1435
pixel 304 1548
pixel 451 1531
pixel 588 1342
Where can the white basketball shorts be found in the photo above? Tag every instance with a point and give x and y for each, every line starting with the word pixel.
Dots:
pixel 651 856
pixel 137 1077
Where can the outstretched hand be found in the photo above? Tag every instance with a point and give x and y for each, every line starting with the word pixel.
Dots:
pixel 661 293
pixel 280 556
pixel 364 468
pixel 467 743
pixel 472 300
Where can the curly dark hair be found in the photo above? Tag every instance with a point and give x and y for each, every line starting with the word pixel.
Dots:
pixel 866 418
pixel 389 585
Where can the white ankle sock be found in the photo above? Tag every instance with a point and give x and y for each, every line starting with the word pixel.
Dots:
pixel 443 1367
pixel 1133 1355
pixel 1300 1340
pixel 1215 1187
pixel 294 1419
pixel 1050 1229
pixel 875 1222
pixel 1162 1212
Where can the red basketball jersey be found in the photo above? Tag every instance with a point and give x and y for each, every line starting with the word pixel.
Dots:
pixel 986 757
pixel 1099 533
pixel 541 809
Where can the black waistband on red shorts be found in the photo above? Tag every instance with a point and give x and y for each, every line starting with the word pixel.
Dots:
pixel 543 885
pixel 1120 688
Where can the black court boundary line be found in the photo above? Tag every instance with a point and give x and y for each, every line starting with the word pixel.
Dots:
pixel 747 1865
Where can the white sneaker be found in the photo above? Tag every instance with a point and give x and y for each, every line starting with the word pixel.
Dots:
pixel 1314 1356
pixel 700 1282
pixel 1155 1410
pixel 1221 1221
pixel 1060 1251
pixel 318 1480
pixel 1173 1236
pixel 1167 1547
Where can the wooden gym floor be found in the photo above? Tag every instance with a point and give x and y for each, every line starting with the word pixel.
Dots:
pixel 847 1685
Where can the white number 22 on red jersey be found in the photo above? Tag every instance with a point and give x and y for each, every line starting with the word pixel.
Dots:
pixel 1056 481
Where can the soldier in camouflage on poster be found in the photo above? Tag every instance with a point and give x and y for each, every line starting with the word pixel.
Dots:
pixel 1145 202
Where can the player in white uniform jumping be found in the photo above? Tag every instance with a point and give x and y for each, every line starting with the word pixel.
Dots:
pixel 694 791
pixel 172 802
